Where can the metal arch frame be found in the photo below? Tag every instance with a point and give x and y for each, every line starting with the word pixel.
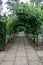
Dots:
pixel 25 13
pixel 19 13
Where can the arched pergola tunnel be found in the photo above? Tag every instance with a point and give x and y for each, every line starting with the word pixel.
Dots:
pixel 29 21
pixel 30 24
pixel 26 22
pixel 20 27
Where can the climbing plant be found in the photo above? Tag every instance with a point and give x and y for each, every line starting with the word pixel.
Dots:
pixel 28 15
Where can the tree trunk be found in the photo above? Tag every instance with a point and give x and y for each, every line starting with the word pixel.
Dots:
pixel 34 39
pixel 37 40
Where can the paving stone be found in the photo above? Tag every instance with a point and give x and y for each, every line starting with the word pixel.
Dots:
pixel 40 53
pixel 35 63
pixel 11 52
pixel 21 58
pixel 26 42
pixel 21 64
pixel 7 63
pixel 33 57
pixel 41 58
pixel 14 47
pixel 21 49
pixel 42 61
pixel 21 53
pixel 30 51
pixel 21 61
pixel 2 54
pixel 22 46
pixel 1 58
pixel 9 57
pixel 21 43
pixel 28 47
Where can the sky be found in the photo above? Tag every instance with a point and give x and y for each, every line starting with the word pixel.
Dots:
pixel 5 5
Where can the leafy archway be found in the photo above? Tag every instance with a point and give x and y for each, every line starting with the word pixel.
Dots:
pixel 20 27
pixel 29 21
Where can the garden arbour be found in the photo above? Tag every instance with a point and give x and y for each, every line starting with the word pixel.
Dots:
pixel 29 21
